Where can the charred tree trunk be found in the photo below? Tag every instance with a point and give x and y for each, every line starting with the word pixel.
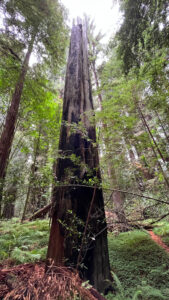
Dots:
pixel 10 122
pixel 73 207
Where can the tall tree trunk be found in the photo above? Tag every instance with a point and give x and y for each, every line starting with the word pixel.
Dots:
pixel 10 197
pixel 149 132
pixel 32 176
pixel 10 122
pixel 162 126
pixel 153 145
pixel 77 206
pixel 93 64
pixel 118 200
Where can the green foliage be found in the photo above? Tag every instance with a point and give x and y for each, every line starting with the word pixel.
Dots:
pixel 23 242
pixel 143 32
pixel 163 231
pixel 140 267
pixel 42 19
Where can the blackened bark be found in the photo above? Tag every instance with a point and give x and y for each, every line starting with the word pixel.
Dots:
pixel 78 137
pixel 10 122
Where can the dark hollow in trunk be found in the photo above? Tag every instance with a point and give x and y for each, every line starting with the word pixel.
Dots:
pixel 79 164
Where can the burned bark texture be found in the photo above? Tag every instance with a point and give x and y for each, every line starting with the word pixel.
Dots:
pixel 71 204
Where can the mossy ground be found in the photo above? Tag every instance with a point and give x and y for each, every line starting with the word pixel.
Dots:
pixel 140 267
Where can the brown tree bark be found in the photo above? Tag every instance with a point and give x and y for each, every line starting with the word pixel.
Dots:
pixel 10 122
pixel 78 137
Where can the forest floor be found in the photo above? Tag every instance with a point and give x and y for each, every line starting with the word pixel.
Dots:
pixel 140 267
pixel 158 240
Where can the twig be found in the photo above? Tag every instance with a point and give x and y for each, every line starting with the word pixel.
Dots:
pixel 108 189
pixel 162 217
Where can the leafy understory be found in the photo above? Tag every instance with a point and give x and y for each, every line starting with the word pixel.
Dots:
pixel 163 231
pixel 140 268
pixel 21 243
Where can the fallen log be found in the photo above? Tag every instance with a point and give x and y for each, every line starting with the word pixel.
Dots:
pixel 41 212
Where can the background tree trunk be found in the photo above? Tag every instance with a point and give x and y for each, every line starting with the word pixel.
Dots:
pixel 10 122
pixel 78 138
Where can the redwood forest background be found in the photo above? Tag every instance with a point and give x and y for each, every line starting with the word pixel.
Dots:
pixel 129 78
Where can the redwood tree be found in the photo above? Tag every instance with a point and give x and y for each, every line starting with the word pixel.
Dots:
pixel 39 26
pixel 78 235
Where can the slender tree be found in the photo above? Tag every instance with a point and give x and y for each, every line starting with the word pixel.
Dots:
pixel 36 26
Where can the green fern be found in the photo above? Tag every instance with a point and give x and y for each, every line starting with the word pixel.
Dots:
pixel 147 292
pixel 119 286
pixel 23 242
pixel 136 295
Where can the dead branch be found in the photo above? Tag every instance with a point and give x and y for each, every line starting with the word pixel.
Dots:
pixel 161 218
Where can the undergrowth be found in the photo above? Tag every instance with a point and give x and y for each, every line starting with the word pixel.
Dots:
pixel 22 243
pixel 140 267
pixel 163 230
